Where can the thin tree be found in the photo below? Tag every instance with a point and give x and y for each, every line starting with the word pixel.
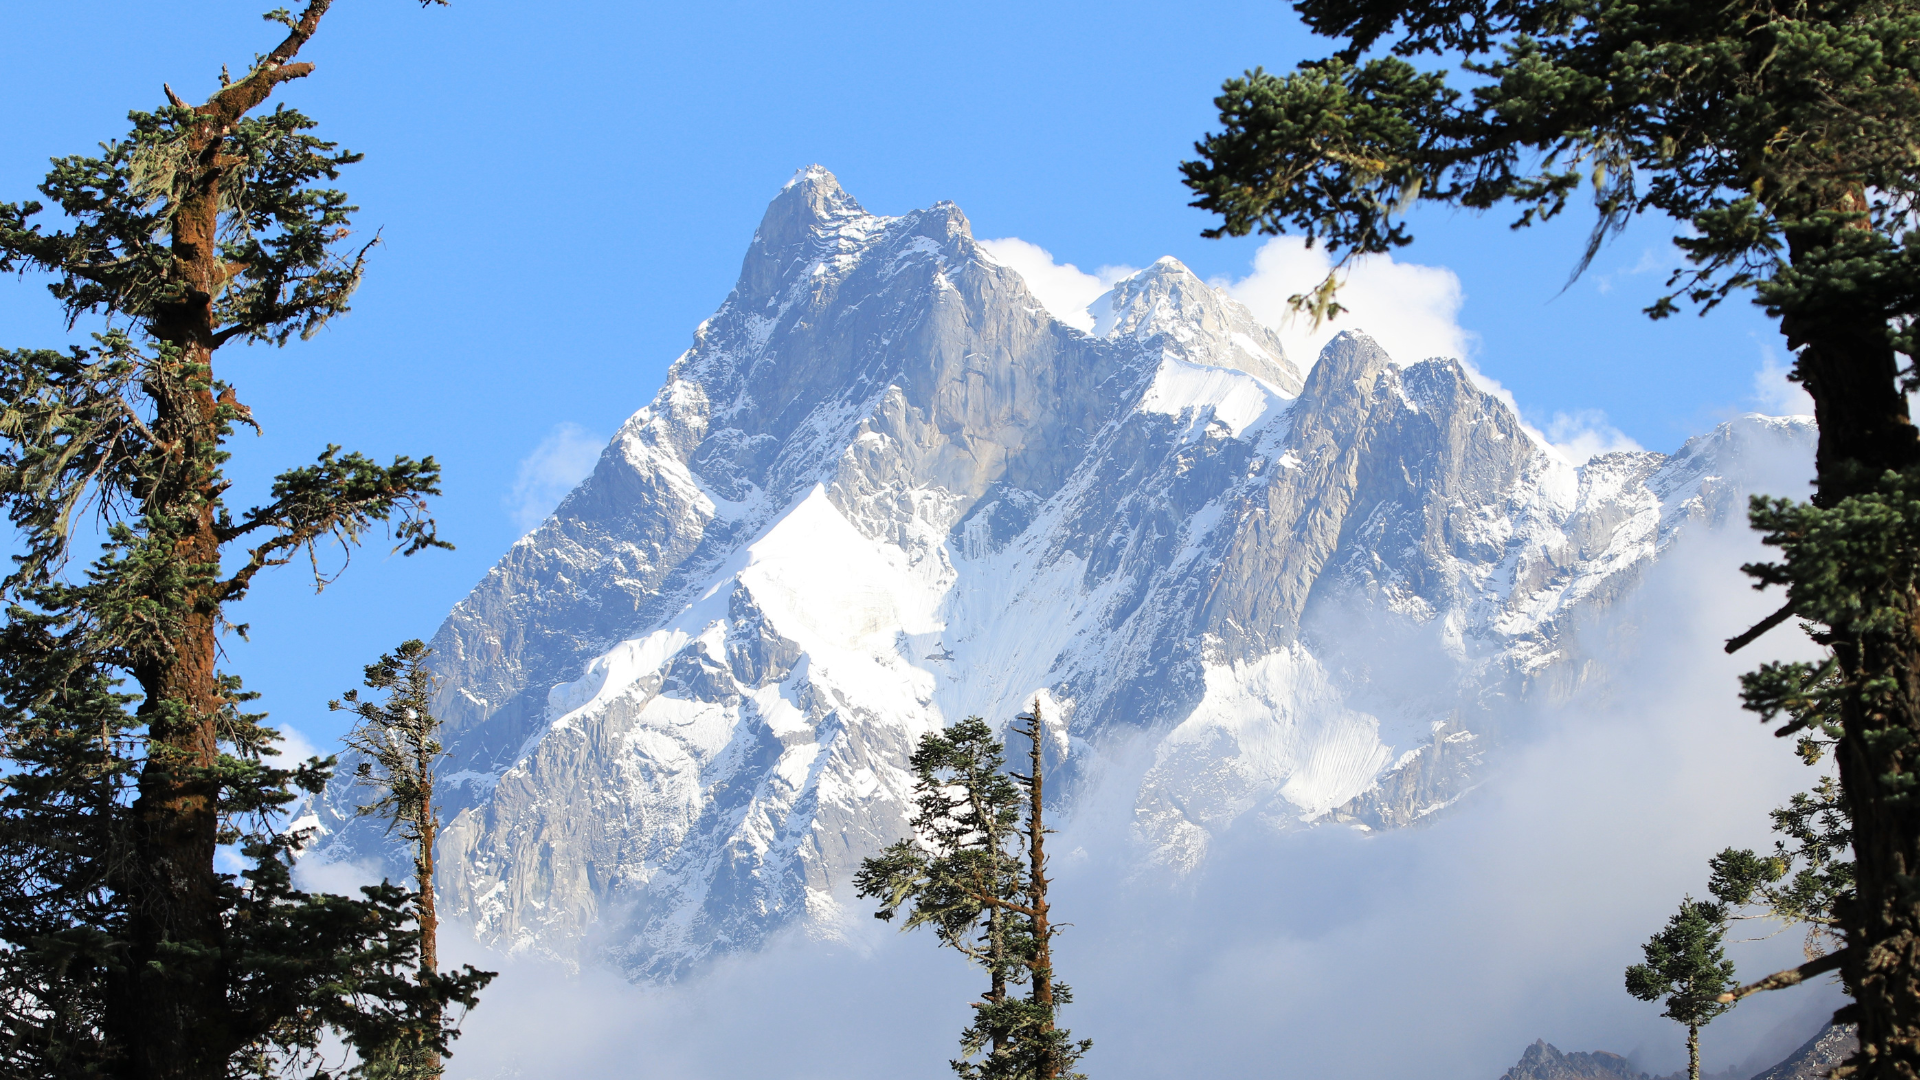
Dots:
pixel 955 872
pixel 965 874
pixel 1780 138
pixel 1687 964
pixel 1048 1049
pixel 398 741
pixel 126 951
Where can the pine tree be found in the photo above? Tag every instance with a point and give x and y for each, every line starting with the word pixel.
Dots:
pixel 1687 964
pixel 1808 878
pixel 129 761
pixel 954 872
pixel 1047 1051
pixel 963 875
pixel 1780 139
pixel 398 741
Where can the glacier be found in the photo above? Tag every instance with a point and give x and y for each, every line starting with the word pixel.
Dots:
pixel 885 488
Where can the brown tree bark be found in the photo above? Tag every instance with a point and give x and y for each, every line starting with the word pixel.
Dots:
pixel 167 1009
pixel 428 827
pixel 1048 1067
pixel 1852 374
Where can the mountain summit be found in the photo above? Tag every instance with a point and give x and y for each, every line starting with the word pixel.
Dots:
pixel 885 489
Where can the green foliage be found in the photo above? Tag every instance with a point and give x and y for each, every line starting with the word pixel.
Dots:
pixel 1759 128
pixel 278 234
pixel 398 740
pixel 962 876
pixel 298 964
pixel 1686 963
pixel 1030 1044
pixel 1808 877
pixel 127 760
pixel 949 877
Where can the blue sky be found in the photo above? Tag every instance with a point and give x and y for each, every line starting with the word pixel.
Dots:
pixel 565 191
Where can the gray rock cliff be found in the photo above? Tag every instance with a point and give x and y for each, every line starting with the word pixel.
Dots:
pixel 885 489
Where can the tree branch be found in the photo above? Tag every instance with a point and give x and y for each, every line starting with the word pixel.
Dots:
pixel 1735 644
pixel 1780 980
pixel 234 100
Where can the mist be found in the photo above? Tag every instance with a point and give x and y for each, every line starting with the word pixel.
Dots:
pixel 1435 951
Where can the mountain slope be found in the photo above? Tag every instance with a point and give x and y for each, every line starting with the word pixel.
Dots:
pixel 885 489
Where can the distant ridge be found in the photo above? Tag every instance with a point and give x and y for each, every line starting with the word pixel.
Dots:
pixel 1813 1061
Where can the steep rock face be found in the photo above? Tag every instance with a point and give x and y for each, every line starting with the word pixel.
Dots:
pixel 885 489
pixel 1816 1059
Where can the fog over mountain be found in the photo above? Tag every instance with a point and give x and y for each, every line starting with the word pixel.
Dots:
pixel 1266 612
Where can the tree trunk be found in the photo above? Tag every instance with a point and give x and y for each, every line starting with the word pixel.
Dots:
pixel 1851 371
pixel 168 1011
pixel 429 919
pixel 1693 1052
pixel 1047 1068
pixel 997 958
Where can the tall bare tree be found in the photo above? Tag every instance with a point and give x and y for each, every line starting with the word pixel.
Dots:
pixel 398 741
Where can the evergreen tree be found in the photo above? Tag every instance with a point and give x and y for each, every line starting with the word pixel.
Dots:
pixel 129 761
pixel 398 741
pixel 953 874
pixel 964 875
pixel 1687 964
pixel 1047 1051
pixel 1780 137
pixel 1808 878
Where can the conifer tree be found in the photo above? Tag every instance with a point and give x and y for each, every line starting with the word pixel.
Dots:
pixel 964 874
pixel 1806 880
pixel 954 871
pixel 398 741
pixel 1687 964
pixel 1780 138
pixel 129 761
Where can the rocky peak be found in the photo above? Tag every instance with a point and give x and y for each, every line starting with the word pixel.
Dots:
pixel 1166 307
pixel 810 211
pixel 884 488
pixel 1544 1061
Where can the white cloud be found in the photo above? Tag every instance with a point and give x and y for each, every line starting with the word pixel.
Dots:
pixel 1063 288
pixel 1585 433
pixel 1413 311
pixel 294 747
pixel 1440 951
pixel 556 466
pixel 1651 259
pixel 1773 394
pixel 344 879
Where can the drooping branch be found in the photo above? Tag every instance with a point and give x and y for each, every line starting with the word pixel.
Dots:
pixel 337 497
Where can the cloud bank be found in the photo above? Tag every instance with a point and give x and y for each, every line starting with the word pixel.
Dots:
pixel 1437 951
pixel 1584 433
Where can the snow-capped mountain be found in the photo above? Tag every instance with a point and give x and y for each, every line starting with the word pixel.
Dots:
pixel 886 489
